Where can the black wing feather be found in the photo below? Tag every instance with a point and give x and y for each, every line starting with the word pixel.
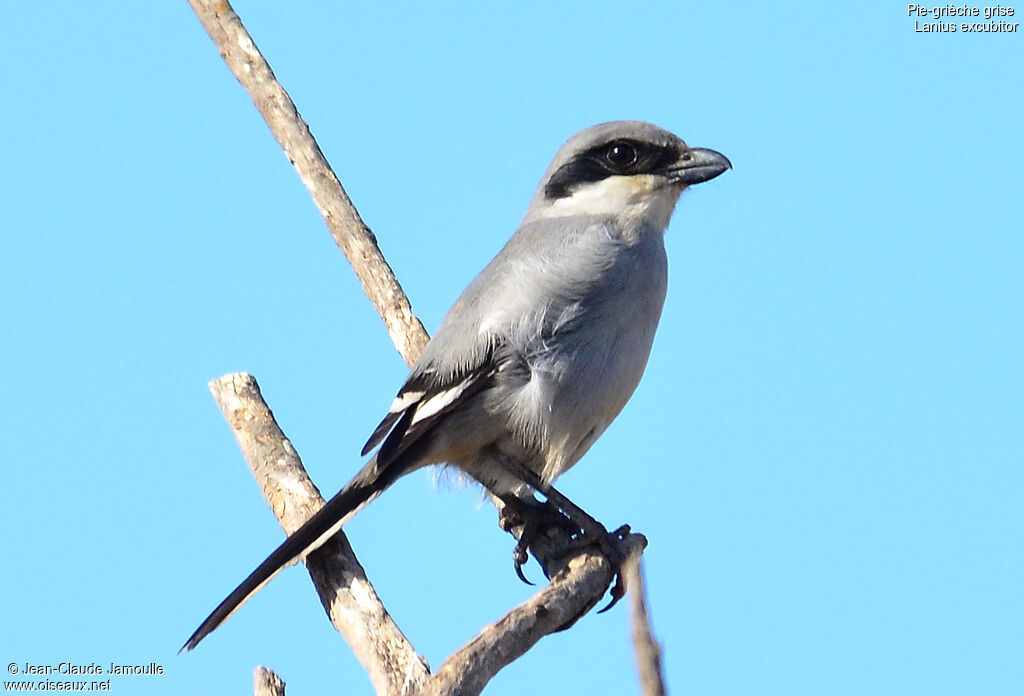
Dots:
pixel 402 429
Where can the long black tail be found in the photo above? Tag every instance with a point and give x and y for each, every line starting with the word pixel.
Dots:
pixel 306 539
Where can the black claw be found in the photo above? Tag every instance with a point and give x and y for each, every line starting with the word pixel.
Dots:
pixel 519 558
pixel 521 576
pixel 618 591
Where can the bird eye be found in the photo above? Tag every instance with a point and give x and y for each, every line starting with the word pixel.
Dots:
pixel 621 155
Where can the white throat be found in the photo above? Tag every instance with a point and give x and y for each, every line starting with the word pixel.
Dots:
pixel 639 198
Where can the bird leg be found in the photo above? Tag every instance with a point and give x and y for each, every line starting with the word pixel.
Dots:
pixel 558 511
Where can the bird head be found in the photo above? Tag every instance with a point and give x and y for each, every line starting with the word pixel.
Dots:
pixel 625 169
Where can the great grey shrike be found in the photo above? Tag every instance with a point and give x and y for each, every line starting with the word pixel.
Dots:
pixel 543 349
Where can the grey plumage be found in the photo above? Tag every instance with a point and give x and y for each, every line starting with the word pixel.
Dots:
pixel 547 344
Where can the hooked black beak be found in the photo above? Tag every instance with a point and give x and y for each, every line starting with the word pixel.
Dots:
pixel 699 164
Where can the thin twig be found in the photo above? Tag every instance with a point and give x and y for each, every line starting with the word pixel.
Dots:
pixel 351 235
pixel 645 646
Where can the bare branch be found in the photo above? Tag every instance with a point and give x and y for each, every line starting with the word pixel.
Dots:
pixel 266 682
pixel 348 597
pixel 573 591
pixel 646 648
pixel 351 235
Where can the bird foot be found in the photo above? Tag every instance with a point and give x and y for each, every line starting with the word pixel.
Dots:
pixel 564 529
pixel 529 520
pixel 608 544
pixel 609 547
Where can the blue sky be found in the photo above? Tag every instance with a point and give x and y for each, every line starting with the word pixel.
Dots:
pixel 825 452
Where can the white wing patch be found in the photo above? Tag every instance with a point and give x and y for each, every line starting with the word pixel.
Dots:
pixel 440 401
pixel 405 400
